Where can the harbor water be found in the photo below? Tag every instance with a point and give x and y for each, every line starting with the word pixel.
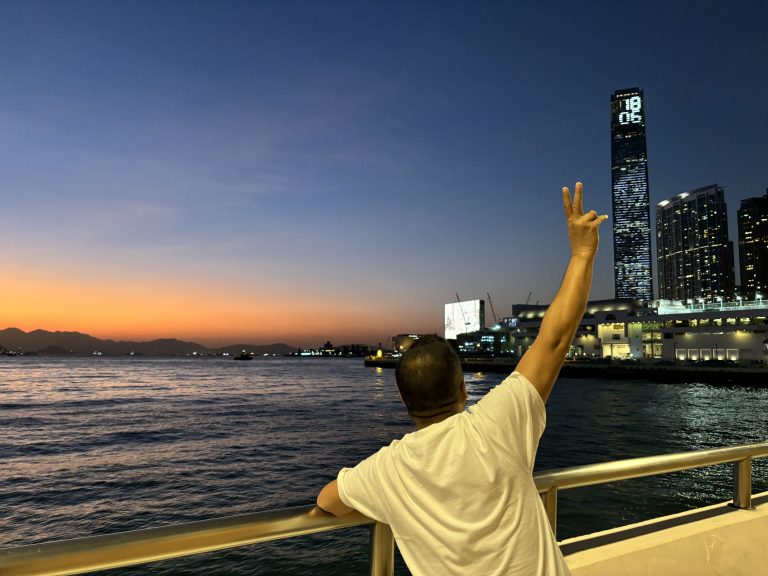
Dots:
pixel 100 445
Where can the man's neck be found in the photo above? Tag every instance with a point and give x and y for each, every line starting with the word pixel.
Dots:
pixel 422 423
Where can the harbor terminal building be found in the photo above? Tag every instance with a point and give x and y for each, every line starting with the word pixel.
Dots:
pixel 628 329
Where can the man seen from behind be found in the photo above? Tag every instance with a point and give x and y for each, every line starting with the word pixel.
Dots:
pixel 458 492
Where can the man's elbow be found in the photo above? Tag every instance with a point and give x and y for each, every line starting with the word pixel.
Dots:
pixel 324 504
pixel 330 508
pixel 329 501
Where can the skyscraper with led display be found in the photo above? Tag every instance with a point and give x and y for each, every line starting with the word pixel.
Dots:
pixel 753 246
pixel 693 252
pixel 631 209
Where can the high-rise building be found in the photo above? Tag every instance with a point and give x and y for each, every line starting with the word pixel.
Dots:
pixel 753 246
pixel 693 254
pixel 631 209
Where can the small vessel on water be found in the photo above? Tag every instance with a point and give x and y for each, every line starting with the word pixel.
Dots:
pixel 243 356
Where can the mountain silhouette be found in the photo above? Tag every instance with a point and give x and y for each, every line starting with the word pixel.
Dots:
pixel 76 343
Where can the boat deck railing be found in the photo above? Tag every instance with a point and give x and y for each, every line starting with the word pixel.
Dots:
pixel 152 544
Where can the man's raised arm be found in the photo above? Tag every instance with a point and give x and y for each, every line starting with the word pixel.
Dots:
pixel 543 360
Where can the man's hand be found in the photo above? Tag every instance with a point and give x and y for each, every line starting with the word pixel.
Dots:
pixel 582 228
pixel 542 361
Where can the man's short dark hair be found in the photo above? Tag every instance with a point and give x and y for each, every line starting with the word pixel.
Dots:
pixel 429 377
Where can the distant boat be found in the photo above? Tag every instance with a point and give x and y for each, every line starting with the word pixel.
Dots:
pixel 243 356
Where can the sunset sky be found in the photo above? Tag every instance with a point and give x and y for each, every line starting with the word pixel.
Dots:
pixel 302 171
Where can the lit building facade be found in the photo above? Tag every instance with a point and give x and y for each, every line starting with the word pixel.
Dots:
pixel 753 246
pixel 693 253
pixel 631 209
pixel 669 331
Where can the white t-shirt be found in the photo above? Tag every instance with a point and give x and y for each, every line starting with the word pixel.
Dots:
pixel 459 495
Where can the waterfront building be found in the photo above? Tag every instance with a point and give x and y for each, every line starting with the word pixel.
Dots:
pixel 753 246
pixel 733 331
pixel 693 253
pixel 496 341
pixel 609 328
pixel 673 331
pixel 631 209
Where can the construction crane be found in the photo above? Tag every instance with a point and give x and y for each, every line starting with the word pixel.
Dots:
pixel 490 302
pixel 461 309
pixel 529 297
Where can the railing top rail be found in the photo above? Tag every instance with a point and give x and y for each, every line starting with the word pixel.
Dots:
pixel 152 544
pixel 603 472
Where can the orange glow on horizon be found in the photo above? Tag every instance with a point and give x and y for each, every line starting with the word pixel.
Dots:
pixel 145 310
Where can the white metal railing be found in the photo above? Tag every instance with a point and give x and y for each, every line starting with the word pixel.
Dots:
pixel 551 481
pixel 152 544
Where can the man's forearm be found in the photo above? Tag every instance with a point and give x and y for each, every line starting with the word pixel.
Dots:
pixel 564 314
pixel 542 361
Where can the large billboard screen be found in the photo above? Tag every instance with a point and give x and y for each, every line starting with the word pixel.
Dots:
pixel 463 317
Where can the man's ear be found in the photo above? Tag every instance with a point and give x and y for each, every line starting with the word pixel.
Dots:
pixel 463 394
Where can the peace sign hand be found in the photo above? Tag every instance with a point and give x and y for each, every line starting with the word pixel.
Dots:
pixel 582 228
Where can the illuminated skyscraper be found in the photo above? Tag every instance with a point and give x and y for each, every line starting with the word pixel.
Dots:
pixel 693 253
pixel 753 246
pixel 631 210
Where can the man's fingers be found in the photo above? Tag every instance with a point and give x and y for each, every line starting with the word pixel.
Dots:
pixel 589 216
pixel 592 217
pixel 577 207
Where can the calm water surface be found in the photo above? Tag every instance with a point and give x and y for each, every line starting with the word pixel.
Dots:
pixel 101 445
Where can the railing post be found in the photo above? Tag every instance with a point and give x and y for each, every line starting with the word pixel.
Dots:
pixel 549 498
pixel 742 483
pixel 382 550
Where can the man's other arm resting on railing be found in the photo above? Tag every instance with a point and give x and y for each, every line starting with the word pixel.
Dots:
pixel 330 501
pixel 542 361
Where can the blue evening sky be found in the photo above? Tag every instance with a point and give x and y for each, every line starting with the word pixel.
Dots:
pixel 355 155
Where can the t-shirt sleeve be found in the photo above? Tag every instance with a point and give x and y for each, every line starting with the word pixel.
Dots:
pixel 512 417
pixel 360 487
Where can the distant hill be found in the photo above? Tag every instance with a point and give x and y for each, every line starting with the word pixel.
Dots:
pixel 77 343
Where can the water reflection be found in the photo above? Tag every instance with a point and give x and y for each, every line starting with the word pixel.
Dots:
pixel 93 446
